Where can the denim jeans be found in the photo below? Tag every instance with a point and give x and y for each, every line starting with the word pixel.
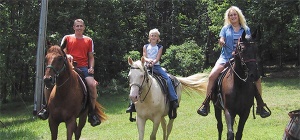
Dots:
pixel 172 93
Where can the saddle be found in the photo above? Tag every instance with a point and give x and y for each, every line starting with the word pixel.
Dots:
pixel 83 86
pixel 162 82
pixel 219 98
pixel 164 87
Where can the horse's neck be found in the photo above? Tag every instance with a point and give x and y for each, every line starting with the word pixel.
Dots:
pixel 239 72
pixel 149 89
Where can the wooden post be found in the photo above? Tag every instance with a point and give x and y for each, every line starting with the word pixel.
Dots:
pixel 39 84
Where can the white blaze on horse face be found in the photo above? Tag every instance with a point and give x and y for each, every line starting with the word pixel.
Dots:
pixel 134 93
pixel 136 78
pixel 49 61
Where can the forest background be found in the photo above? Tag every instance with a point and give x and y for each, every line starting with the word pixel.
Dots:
pixel 119 28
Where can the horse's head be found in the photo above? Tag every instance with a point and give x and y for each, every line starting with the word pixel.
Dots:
pixel 246 55
pixel 137 77
pixel 56 63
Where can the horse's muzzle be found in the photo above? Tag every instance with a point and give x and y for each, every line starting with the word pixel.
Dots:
pixel 49 82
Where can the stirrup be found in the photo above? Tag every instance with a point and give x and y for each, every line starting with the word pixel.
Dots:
pixel 172 113
pixel 43 114
pixel 131 108
pixel 262 112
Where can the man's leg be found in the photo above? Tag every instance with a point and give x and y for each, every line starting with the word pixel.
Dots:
pixel 131 107
pixel 93 118
pixel 43 113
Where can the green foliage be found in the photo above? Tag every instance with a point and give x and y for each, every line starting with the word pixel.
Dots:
pixel 134 55
pixel 184 60
pixel 113 87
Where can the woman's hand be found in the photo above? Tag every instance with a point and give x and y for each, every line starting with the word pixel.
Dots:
pixel 222 41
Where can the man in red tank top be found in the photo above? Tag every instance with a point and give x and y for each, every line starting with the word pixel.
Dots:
pixel 81 48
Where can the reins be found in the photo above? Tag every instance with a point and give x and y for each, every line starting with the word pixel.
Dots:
pixel 243 63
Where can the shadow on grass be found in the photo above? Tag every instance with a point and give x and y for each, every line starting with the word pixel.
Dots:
pixel 17 134
pixel 10 121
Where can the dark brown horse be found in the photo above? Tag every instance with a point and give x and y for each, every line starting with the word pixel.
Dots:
pixel 67 100
pixel 238 88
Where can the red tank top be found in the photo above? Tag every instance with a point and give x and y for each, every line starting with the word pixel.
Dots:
pixel 79 48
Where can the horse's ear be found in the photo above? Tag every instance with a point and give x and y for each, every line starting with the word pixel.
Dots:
pixel 130 62
pixel 256 35
pixel 243 37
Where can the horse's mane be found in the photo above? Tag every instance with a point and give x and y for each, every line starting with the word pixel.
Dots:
pixel 55 49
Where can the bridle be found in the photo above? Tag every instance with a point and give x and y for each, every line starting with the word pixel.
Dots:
pixel 243 62
pixel 140 86
pixel 58 72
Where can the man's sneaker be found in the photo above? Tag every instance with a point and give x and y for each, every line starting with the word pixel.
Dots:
pixel 94 120
pixel 131 108
pixel 43 114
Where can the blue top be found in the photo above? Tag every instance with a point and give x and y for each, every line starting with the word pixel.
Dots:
pixel 231 39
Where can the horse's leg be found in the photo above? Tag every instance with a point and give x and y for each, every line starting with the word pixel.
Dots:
pixel 242 121
pixel 164 128
pixel 228 117
pixel 218 116
pixel 53 128
pixel 170 126
pixel 82 121
pixel 141 127
pixel 71 126
pixel 156 122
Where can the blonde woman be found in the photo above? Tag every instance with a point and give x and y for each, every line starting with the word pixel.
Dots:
pixel 234 25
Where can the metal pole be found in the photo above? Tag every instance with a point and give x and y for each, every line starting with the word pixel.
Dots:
pixel 39 84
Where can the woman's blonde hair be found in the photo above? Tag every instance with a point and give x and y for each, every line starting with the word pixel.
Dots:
pixel 242 19
pixel 154 31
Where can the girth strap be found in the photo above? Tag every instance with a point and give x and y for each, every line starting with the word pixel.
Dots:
pixel 84 88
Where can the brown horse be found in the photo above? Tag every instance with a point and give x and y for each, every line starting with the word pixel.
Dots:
pixel 68 99
pixel 237 88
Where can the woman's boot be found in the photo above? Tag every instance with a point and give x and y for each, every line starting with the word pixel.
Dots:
pixel 204 109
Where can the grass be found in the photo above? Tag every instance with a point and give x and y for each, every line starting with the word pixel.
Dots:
pixel 281 94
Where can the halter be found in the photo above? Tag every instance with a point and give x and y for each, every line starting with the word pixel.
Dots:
pixel 243 63
pixel 145 78
pixel 58 72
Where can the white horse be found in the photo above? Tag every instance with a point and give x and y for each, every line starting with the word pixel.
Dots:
pixel 150 102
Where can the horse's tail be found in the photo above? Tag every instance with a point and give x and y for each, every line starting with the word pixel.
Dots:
pixel 99 110
pixel 196 82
